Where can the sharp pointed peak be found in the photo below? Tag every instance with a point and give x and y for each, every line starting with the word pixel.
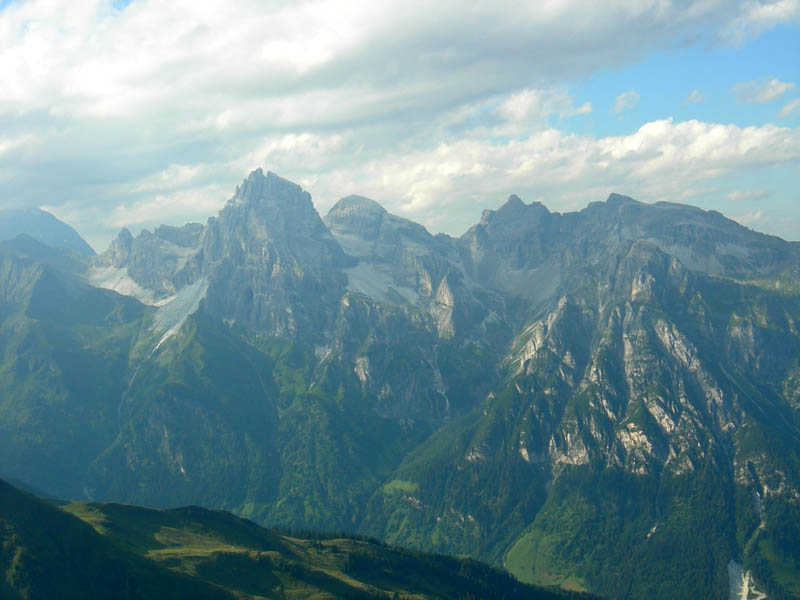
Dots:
pixel 257 173
pixel 258 188
pixel 513 201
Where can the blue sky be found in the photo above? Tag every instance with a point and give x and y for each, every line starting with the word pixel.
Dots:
pixel 665 80
pixel 136 113
pixel 699 82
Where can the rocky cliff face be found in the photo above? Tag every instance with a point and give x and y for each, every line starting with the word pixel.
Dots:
pixel 636 384
pixel 272 265
pixel 267 262
pixel 604 399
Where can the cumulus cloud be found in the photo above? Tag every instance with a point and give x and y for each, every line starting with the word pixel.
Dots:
pixel 660 161
pixel 121 116
pixel 625 101
pixel 761 91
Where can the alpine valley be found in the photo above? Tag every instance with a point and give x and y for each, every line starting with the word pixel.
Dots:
pixel 606 400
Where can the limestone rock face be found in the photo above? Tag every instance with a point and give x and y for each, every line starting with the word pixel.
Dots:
pixel 272 265
pixel 152 266
pixel 269 262
pixel 399 262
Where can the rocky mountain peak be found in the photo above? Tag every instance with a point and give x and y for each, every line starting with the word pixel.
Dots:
pixel 513 202
pixel 355 204
pixel 514 212
pixel 267 210
pixel 269 259
pixel 581 387
pixel 265 205
pixel 261 189
pixel 356 216
pixel 119 251
pixel 617 199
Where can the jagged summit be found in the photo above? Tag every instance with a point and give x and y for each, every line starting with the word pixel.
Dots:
pixel 267 253
pixel 513 202
pixel 514 210
pixel 125 234
pixel 261 189
pixel 268 209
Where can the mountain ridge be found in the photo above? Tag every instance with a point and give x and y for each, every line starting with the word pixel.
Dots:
pixel 42 226
pixel 552 392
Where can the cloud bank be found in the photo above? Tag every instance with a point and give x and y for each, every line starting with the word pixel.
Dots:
pixel 153 112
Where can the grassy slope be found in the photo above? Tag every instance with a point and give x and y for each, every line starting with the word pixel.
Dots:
pixel 252 562
pixel 61 368
pixel 47 553
pixel 92 550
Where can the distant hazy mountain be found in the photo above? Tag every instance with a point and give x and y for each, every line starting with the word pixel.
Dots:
pixel 42 226
pixel 605 400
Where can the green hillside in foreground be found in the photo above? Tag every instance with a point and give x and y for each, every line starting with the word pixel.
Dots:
pixel 104 550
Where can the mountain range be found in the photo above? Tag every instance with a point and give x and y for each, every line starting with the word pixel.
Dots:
pixel 606 400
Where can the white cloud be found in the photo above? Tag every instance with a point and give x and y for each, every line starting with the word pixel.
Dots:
pixel 750 218
pixel 761 90
pixel 694 97
pixel 111 116
pixel 660 161
pixel 790 108
pixel 625 101
pixel 521 112
pixel 748 195
pixel 174 176
pixel 169 206
pixel 757 16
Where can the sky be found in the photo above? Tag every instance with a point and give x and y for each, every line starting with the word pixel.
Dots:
pixel 136 113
